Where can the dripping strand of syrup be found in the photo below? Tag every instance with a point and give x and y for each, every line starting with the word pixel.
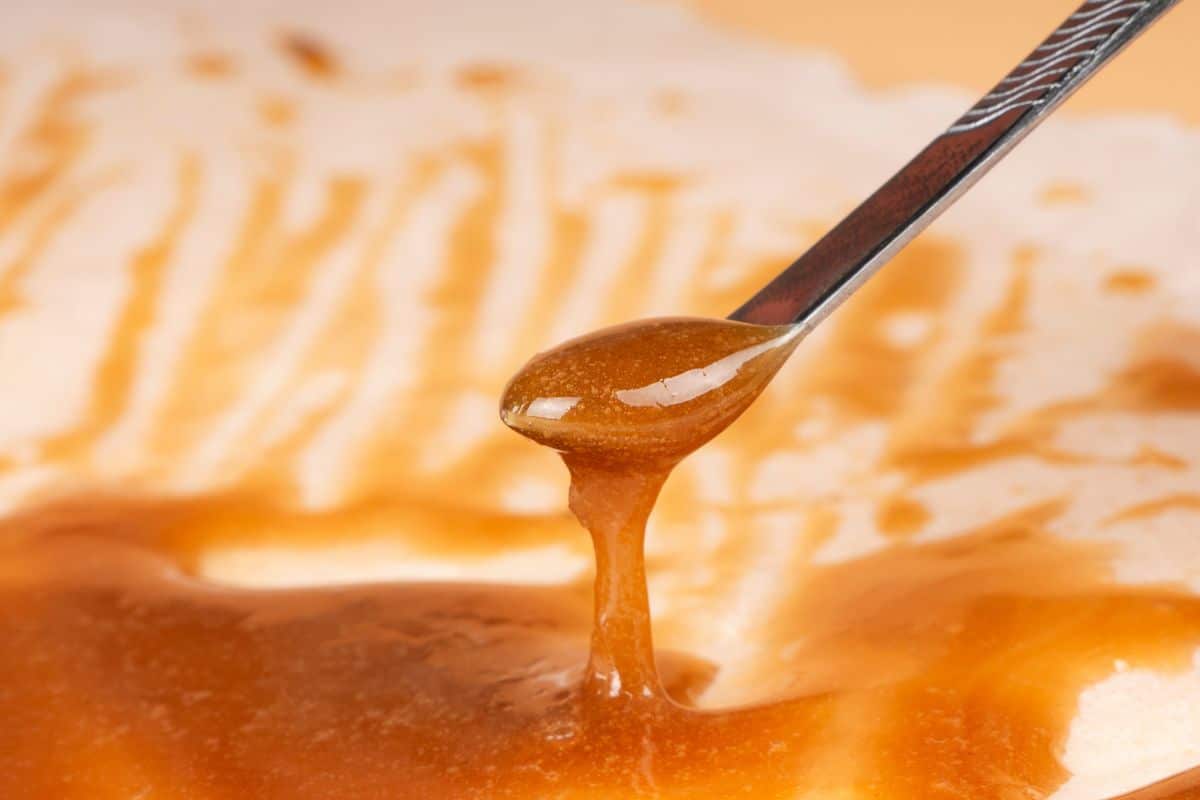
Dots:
pixel 623 406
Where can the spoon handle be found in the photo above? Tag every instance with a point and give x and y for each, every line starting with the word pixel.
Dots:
pixel 817 282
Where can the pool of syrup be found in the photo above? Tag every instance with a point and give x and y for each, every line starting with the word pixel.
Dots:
pixel 933 670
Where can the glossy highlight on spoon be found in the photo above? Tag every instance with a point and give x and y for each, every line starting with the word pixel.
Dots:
pixel 647 392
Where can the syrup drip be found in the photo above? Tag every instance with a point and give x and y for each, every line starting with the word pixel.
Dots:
pixel 623 406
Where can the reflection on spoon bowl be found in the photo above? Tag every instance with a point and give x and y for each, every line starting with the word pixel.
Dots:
pixel 652 390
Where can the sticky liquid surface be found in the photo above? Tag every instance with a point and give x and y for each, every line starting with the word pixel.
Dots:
pixel 936 670
pixel 901 574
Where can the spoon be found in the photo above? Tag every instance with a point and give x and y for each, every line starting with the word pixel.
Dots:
pixel 655 390
pixel 818 281
pixel 625 404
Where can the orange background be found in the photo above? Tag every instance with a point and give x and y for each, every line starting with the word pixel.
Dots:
pixel 973 43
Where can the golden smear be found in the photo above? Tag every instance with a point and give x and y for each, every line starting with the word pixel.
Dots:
pixel 1063 193
pixel 1185 501
pixel 484 77
pixel 1130 281
pixel 901 516
pixel 211 65
pixel 310 55
pixel 277 111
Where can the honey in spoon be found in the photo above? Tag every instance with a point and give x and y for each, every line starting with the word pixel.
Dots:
pixel 623 406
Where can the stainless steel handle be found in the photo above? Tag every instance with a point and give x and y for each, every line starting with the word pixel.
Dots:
pixel 817 282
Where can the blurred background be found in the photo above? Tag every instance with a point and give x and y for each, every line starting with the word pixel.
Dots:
pixel 972 44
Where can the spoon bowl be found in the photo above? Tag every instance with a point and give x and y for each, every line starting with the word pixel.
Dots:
pixel 647 391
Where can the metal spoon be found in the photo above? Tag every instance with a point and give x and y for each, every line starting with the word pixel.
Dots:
pixel 817 282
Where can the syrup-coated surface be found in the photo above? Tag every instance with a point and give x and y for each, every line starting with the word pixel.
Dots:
pixel 947 669
pixel 264 271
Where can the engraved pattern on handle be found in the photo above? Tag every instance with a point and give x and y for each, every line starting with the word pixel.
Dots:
pixel 1078 41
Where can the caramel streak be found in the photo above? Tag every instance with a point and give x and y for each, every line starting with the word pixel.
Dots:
pixel 313 277
pixel 939 439
pixel 715 258
pixel 689 240
pixel 1152 508
pixel 496 291
pixel 115 373
pixel 471 256
pixel 524 241
pixel 340 354
pixel 389 377
pixel 45 228
pixel 636 276
pixel 39 238
pixel 25 94
pixel 873 363
pixel 776 551
pixel 571 230
pixel 269 273
pixel 1130 281
pixel 47 149
pixel 617 221
pixel 311 56
pixel 129 446
pixel 201 381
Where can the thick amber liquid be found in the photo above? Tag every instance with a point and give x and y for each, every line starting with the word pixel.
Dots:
pixel 941 669
pixel 623 406
pixel 947 669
